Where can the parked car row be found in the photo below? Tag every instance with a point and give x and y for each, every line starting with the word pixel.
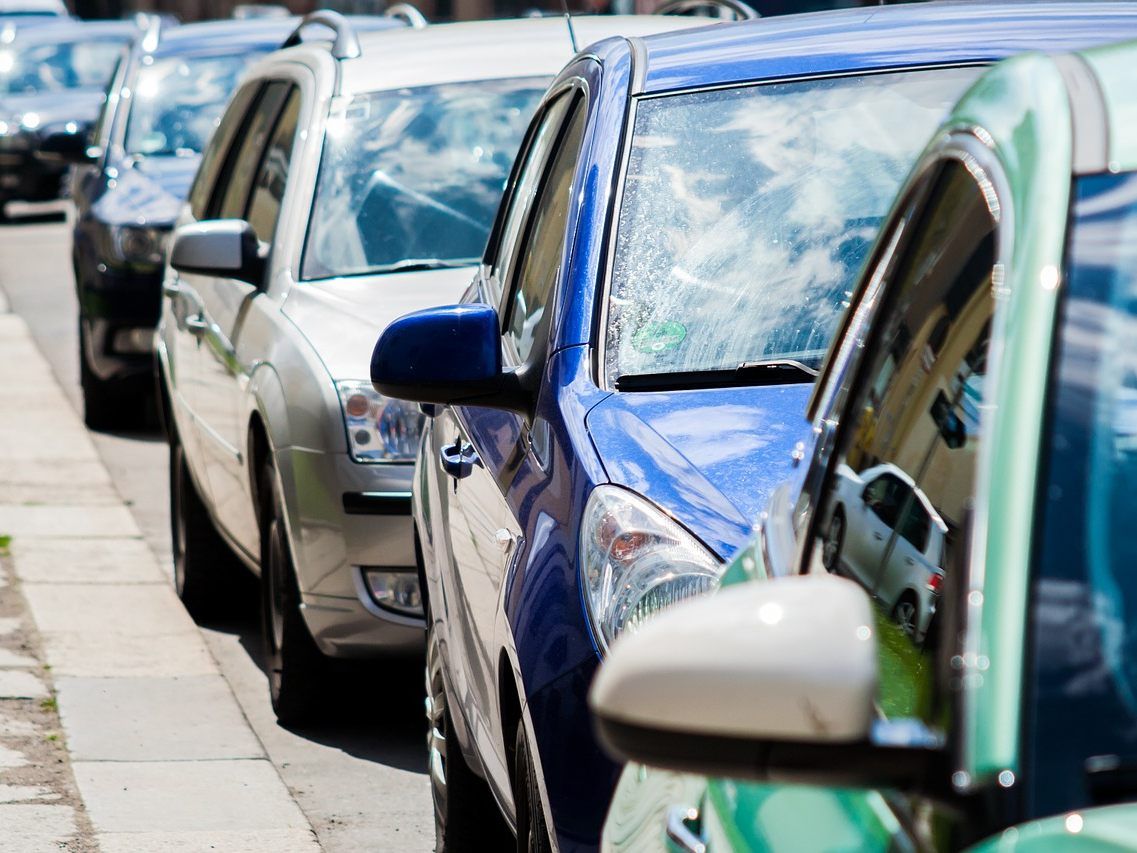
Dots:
pixel 468 352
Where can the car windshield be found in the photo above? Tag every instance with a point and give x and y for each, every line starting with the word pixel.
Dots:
pixel 747 213
pixel 178 102
pixel 42 68
pixel 411 178
pixel 1082 724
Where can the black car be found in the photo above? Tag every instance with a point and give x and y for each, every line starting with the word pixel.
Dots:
pixel 53 80
pixel 130 183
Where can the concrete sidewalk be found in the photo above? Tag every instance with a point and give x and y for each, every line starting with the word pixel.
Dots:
pixel 162 757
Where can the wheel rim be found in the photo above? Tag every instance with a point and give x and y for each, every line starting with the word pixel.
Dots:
pixel 832 544
pixel 277 596
pixel 436 720
pixel 906 616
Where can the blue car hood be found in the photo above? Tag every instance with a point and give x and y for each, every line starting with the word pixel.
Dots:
pixel 709 457
pixel 54 108
pixel 149 192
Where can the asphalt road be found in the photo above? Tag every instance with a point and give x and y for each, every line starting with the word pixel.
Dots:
pixel 360 778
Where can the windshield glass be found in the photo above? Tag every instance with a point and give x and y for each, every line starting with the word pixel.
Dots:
pixel 412 177
pixel 40 68
pixel 747 214
pixel 178 102
pixel 1083 741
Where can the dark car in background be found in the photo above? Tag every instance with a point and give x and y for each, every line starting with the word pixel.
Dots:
pixel 53 80
pixel 163 105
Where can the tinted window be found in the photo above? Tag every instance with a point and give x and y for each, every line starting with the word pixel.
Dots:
pixel 41 68
pixel 914 417
pixel 214 157
pixel 268 188
pixel 1082 734
pixel 412 177
pixel 541 249
pixel 747 214
pixel 233 191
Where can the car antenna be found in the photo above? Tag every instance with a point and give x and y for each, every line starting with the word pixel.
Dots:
pixel 572 32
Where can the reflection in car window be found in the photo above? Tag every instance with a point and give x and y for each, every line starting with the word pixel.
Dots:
pixel 913 423
pixel 748 212
pixel 1082 731
pixel 177 103
pixel 414 176
pixel 40 68
pixel 268 188
pixel 232 193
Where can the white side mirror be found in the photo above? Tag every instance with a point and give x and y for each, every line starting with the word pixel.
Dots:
pixel 225 248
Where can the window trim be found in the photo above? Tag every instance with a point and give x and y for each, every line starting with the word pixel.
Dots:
pixel 293 91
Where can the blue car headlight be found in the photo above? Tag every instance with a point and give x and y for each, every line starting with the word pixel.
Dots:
pixel 636 561
pixel 379 429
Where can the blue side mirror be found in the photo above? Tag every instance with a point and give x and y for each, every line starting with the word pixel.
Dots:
pixel 448 355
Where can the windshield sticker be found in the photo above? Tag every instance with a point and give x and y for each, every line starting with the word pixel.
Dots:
pixel 659 337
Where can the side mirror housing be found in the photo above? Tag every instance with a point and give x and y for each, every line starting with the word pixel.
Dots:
pixel 768 680
pixel 71 148
pixel 448 355
pixel 226 248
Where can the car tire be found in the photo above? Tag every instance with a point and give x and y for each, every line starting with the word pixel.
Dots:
pixel 906 614
pixel 106 404
pixel 834 542
pixel 207 574
pixel 466 817
pixel 532 833
pixel 298 672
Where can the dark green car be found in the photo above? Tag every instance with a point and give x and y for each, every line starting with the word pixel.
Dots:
pixel 989 360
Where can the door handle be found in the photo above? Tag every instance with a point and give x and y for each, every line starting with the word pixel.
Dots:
pixel 171 288
pixel 504 539
pixel 679 832
pixel 877 536
pixel 196 325
pixel 909 561
pixel 458 459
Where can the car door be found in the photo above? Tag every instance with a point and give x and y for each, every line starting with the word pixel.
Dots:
pixel 872 519
pixel 251 188
pixel 484 529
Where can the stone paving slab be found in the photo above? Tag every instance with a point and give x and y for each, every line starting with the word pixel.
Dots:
pixel 76 475
pixel 139 610
pixel 278 841
pixel 186 796
pixel 29 828
pixel 153 719
pixel 18 684
pixel 66 521
pixel 126 656
pixel 113 560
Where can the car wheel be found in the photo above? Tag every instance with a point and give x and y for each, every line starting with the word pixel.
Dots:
pixel 532 833
pixel 834 539
pixel 206 573
pixel 297 669
pixel 466 818
pixel 905 615
pixel 107 405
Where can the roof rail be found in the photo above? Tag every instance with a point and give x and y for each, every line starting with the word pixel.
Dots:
pixel 153 34
pixel 407 12
pixel 741 11
pixel 345 45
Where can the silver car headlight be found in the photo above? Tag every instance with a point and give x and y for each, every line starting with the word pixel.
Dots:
pixel 138 244
pixel 637 561
pixel 379 429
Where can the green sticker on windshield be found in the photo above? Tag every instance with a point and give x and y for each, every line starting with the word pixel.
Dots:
pixel 657 338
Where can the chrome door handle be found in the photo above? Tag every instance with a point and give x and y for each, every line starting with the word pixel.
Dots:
pixel 196 325
pixel 679 832
pixel 171 288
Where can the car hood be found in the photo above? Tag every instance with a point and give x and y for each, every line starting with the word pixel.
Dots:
pixel 343 317
pixel 709 457
pixel 147 191
pixel 54 108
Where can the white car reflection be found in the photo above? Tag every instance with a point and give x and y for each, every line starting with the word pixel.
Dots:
pixel 884 533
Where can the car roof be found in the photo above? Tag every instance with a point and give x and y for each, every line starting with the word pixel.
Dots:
pixel 1113 66
pixel 878 38
pixel 262 33
pixel 485 50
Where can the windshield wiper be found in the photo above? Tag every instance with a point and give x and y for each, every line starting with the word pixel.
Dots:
pixel 420 264
pixel 774 371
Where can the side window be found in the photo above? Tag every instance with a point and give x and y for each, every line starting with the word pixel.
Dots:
pixel 100 134
pixel 211 162
pixel 231 196
pixel 914 412
pixel 540 250
pixel 268 188
pixel 526 183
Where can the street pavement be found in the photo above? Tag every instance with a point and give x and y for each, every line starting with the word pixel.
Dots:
pixel 171 738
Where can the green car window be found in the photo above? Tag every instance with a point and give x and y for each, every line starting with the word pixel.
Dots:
pixel 1081 739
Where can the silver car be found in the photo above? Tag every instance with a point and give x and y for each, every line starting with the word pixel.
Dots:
pixel 345 186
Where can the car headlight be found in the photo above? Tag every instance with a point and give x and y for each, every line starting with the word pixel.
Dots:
pixel 637 561
pixel 139 244
pixel 379 429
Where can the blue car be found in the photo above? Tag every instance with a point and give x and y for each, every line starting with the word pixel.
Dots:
pixel 625 379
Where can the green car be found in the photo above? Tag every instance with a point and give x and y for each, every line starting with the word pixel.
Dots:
pixel 975 432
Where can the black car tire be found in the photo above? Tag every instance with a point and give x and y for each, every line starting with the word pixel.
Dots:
pixel 107 405
pixel 466 817
pixel 298 672
pixel 532 833
pixel 207 574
